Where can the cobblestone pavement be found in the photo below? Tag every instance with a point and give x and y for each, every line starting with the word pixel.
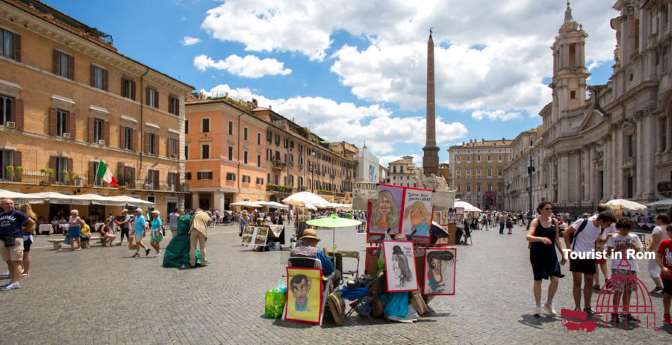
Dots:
pixel 102 296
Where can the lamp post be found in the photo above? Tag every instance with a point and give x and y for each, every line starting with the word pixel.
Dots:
pixel 530 171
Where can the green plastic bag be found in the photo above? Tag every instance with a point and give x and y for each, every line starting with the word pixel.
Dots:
pixel 275 303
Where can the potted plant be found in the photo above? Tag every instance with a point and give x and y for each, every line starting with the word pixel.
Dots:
pixel 9 171
pixel 49 174
pixel 18 172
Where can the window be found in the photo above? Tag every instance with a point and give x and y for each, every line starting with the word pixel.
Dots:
pixel 93 171
pixel 152 144
pixel 246 179
pixel 98 77
pixel 152 181
pixel 186 151
pixel 259 161
pixel 128 88
pixel 258 138
pixel 10 45
pixel 186 126
pixel 478 187
pixel 630 149
pixel 489 172
pixel 230 127
pixel 572 94
pixel 205 125
pixel 230 156
pixel 468 187
pixel 174 105
pixel 204 175
pixel 260 181
pixel 62 123
pixel 98 130
pixel 7 158
pixel 62 166
pixel 205 151
pixel 489 186
pixel 127 138
pixel 230 176
pixel 187 175
pixel 172 147
pixel 245 157
pixel 64 64
pixel 152 97
pixel 172 180
pixel 6 109
pixel 572 55
pixel 126 176
pixel 662 127
pixel 245 133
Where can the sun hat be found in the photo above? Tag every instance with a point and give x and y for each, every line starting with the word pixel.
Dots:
pixel 156 211
pixel 310 233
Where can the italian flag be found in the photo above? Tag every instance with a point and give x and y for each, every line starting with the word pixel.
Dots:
pixel 105 174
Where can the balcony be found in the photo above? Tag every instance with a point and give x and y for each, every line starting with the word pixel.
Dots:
pixel 278 164
pixel 279 189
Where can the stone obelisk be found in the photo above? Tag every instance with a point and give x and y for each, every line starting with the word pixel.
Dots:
pixel 430 159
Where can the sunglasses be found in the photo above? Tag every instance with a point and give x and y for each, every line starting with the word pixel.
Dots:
pixel 548 208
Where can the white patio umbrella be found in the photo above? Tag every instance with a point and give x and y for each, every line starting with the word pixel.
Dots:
pixel 250 204
pixel 466 206
pixel 100 199
pixel 128 200
pixel 272 204
pixel 665 203
pixel 301 199
pixel 627 204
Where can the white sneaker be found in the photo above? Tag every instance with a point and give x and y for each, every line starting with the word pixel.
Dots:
pixel 549 310
pixel 12 286
pixel 537 311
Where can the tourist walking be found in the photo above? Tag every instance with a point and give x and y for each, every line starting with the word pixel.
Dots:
pixel 172 222
pixel 155 225
pixel 623 270
pixel 139 227
pixel 544 238
pixel 658 235
pixel 509 223
pixel 198 236
pixel 664 259
pixel 501 219
pixel 581 238
pixel 75 225
pixel 123 222
pixel 12 225
pixel 28 233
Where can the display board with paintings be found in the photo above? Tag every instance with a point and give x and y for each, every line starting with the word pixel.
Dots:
pixel 385 213
pixel 254 235
pixel 400 269
pixel 247 235
pixel 439 275
pixel 304 295
pixel 417 214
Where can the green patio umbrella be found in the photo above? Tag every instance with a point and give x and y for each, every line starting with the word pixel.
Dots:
pixel 333 222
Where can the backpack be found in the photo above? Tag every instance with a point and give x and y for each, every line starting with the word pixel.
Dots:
pixel 578 231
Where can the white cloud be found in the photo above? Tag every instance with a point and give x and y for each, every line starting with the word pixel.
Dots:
pixel 190 41
pixel 249 66
pixel 495 115
pixel 489 55
pixel 383 131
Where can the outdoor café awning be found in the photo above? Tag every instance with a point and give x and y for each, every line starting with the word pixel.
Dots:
pixel 80 199
pixel 466 206
pixel 17 197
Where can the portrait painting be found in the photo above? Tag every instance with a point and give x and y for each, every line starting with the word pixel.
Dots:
pixel 440 264
pixel 385 213
pixel 400 269
pixel 417 214
pixel 304 295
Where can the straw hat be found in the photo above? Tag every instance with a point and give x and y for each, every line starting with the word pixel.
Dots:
pixel 310 233
pixel 156 212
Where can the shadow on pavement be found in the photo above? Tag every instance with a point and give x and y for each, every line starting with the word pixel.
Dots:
pixel 535 322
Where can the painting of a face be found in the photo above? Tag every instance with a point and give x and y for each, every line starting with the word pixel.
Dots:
pixel 300 289
pixel 304 295
pixel 440 271
pixel 384 204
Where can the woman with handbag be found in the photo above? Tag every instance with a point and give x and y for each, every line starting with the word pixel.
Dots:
pixel 543 236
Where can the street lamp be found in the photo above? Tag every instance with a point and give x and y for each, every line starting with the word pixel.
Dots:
pixel 530 171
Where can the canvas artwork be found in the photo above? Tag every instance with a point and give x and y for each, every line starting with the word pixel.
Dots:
pixel 261 236
pixel 248 234
pixel 440 264
pixel 385 213
pixel 304 295
pixel 417 213
pixel 400 270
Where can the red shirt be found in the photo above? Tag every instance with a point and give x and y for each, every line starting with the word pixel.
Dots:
pixel 665 250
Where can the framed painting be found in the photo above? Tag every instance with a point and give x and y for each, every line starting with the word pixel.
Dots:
pixel 440 265
pixel 304 295
pixel 400 270
pixel 385 213
pixel 261 235
pixel 248 235
pixel 417 214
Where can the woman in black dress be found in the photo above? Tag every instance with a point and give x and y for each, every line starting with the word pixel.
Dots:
pixel 543 237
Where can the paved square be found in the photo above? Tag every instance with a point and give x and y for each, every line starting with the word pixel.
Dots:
pixel 102 296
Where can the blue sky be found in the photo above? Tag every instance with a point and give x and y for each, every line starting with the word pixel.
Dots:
pixel 357 74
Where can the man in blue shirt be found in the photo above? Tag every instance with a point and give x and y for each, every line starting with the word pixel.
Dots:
pixel 12 223
pixel 139 227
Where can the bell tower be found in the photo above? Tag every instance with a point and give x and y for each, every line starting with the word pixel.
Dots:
pixel 569 65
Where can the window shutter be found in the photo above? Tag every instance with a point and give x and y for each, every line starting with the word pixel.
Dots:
pixel 121 173
pixel 132 90
pixel 132 176
pixel 52 162
pixel 92 124
pixel 71 67
pixel 18 113
pixel 146 143
pixel 72 125
pixel 156 179
pixel 52 121
pixel 92 75
pixel 69 163
pixel 134 141
pixel 106 132
pixel 156 93
pixel 168 153
pixel 92 173
pixel 54 61
pixel 122 140
pixel 105 80
pixel 17 47
pixel 147 96
pixel 121 90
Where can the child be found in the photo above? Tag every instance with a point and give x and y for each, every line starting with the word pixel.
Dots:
pixel 623 271
pixel 156 236
pixel 664 258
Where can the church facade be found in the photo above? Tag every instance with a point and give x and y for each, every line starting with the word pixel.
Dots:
pixel 608 141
